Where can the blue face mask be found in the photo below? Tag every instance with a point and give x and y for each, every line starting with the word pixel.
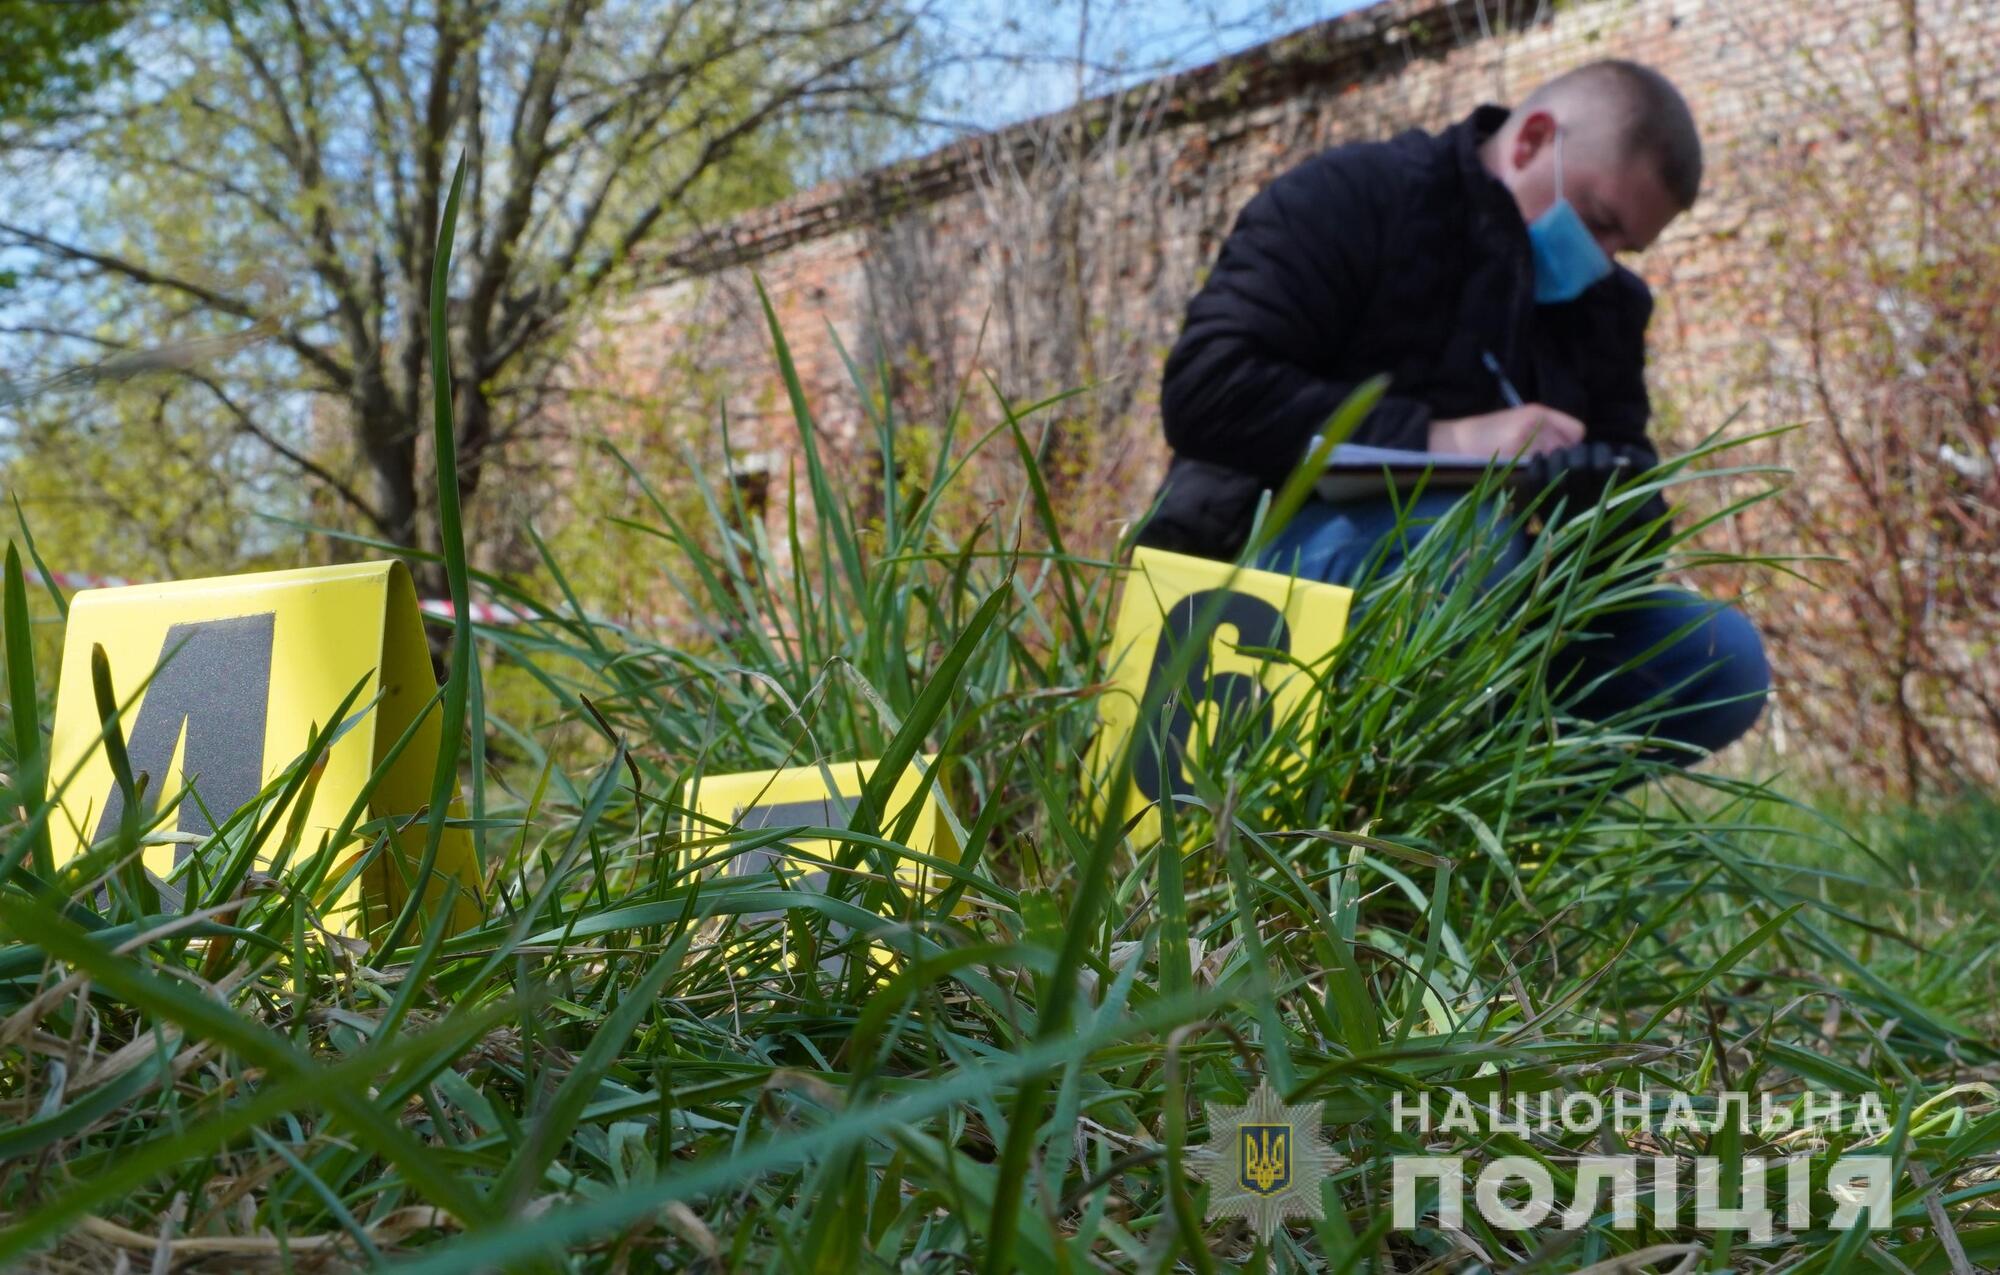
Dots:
pixel 1567 258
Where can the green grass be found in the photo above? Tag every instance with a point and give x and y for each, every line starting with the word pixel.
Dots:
pixel 643 1062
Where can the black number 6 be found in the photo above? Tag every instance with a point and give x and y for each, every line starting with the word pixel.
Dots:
pixel 1257 624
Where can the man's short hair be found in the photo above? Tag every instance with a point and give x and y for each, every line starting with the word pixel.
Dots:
pixel 1653 118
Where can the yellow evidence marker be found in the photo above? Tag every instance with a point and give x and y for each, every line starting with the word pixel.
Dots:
pixel 1166 595
pixel 799 796
pixel 220 683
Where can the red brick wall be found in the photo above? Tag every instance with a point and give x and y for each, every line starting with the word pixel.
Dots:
pixel 1407 64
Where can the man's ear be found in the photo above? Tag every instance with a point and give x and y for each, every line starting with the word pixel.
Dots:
pixel 1537 130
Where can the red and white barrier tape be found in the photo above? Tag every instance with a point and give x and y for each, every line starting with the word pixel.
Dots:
pixel 482 612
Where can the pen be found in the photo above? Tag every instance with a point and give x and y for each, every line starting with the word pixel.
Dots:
pixel 1507 390
pixel 1512 397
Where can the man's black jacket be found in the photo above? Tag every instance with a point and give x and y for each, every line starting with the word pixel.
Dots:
pixel 1405 257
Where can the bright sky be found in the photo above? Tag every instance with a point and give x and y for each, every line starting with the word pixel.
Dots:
pixel 1031 62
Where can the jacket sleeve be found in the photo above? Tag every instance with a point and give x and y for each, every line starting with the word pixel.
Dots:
pixel 1612 360
pixel 1247 384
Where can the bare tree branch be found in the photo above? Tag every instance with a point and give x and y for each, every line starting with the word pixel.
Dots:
pixel 338 375
pixel 246 423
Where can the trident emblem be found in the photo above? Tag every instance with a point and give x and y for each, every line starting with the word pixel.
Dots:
pixel 1267 1158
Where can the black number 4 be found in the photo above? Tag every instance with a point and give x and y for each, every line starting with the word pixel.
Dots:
pixel 214 687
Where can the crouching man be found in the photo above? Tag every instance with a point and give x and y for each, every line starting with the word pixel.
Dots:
pixel 1476 267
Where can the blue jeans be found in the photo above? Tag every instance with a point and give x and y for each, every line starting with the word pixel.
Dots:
pixel 1712 680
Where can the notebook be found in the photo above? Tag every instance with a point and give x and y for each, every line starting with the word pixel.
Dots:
pixel 1358 472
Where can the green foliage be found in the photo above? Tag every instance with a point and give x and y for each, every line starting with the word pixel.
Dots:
pixel 52 52
pixel 147 480
pixel 645 1058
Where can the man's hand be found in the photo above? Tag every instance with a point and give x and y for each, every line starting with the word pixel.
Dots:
pixel 1530 429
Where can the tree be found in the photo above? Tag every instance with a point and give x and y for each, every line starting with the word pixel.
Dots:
pixel 275 173
pixel 53 51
